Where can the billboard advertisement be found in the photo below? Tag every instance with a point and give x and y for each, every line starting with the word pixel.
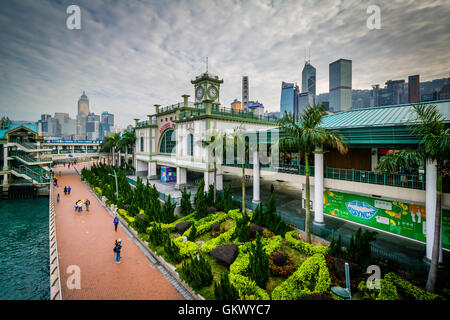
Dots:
pixel 401 218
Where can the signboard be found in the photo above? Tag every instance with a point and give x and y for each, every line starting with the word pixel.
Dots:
pixel 401 218
pixel 397 217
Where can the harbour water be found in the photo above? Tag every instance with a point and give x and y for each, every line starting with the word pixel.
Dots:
pixel 24 245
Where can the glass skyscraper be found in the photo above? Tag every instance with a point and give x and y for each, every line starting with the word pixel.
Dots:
pixel 340 85
pixel 288 100
pixel 309 78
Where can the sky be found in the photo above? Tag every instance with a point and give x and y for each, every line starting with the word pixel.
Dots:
pixel 129 55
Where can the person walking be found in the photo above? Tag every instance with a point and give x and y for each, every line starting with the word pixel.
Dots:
pixel 116 222
pixel 57 198
pixel 76 206
pixel 65 190
pixel 87 203
pixel 68 190
pixel 117 249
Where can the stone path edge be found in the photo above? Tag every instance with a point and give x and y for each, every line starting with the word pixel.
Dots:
pixel 170 272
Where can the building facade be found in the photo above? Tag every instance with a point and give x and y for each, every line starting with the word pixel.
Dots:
pixel 413 89
pixel 340 84
pixel 309 78
pixel 288 101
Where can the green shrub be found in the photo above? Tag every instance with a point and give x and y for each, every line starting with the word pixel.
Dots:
pixel 98 191
pixel 197 272
pixel 224 290
pixel 259 263
pixel 243 228
pixel 158 236
pixel 408 290
pixel 248 290
pixel 242 262
pixel 187 248
pixel 192 233
pixel 269 218
pixel 225 237
pixel 359 248
pixel 172 252
pixel 304 247
pixel 312 277
pixel 388 291
pixel 185 202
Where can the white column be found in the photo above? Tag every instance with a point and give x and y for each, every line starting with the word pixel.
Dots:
pixel 256 177
pixel 374 159
pixel 209 179
pixel 152 174
pixel 318 186
pixel 430 208
pixel 5 157
pixel 181 178
pixel 219 178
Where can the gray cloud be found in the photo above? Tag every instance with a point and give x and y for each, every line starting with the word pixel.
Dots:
pixel 130 55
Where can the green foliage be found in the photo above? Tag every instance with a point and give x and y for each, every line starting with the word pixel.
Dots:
pixel 167 212
pixel 269 218
pixel 336 249
pixel 304 247
pixel 242 262
pixel 259 264
pixel 224 290
pixel 185 203
pixel 388 291
pixel 408 290
pixel 227 201
pixel 210 196
pixel 172 252
pixel 248 290
pixel 197 272
pixel 192 233
pixel 225 237
pixel 243 228
pixel 312 277
pixel 158 236
pixel 359 249
pixel 201 206
pixel 187 248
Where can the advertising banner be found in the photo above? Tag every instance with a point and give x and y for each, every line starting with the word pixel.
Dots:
pixel 401 218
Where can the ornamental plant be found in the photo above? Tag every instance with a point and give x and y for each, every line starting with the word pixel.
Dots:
pixel 192 233
pixel 224 290
pixel 243 228
pixel 197 272
pixel 185 203
pixel 259 264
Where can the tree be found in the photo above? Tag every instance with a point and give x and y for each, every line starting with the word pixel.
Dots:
pixel 305 136
pixel 212 144
pixel 126 141
pixel 224 290
pixel 185 202
pixel 434 146
pixel 259 263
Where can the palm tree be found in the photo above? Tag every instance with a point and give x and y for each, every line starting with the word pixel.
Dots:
pixel 127 140
pixel 305 136
pixel 107 146
pixel 434 146
pixel 213 142
pixel 115 138
pixel 238 134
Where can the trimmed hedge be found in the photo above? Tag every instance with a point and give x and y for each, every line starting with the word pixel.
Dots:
pixel 126 217
pixel 225 237
pixel 205 224
pixel 171 226
pixel 312 277
pixel 248 290
pixel 304 247
pixel 187 248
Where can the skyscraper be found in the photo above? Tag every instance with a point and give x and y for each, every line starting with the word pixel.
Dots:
pixel 245 93
pixel 309 78
pixel 340 74
pixel 83 105
pixel 288 101
pixel 304 100
pixel 413 89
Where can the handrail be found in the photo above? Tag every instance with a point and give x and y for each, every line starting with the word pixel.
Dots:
pixel 26 158
pixel 55 278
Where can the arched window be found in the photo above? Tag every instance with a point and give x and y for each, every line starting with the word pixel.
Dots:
pixel 142 144
pixel 168 142
pixel 190 149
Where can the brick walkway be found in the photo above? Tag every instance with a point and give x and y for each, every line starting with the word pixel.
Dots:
pixel 86 240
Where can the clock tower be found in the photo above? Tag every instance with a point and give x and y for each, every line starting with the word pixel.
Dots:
pixel 206 87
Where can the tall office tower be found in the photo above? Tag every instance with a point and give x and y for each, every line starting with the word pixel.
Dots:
pixel 309 79
pixel 304 100
pixel 83 105
pixel 288 101
pixel 245 93
pixel 108 118
pixel 340 74
pixel 413 89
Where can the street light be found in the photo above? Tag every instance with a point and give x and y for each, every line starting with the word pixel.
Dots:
pixel 117 189
pixel 344 292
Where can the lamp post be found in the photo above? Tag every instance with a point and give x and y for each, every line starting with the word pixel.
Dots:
pixel 344 292
pixel 117 189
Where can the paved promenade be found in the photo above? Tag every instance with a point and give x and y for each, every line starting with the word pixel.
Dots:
pixel 86 240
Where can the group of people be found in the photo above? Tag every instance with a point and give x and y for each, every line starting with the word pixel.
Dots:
pixel 79 205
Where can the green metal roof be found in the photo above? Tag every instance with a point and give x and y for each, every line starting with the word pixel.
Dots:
pixel 32 127
pixel 380 116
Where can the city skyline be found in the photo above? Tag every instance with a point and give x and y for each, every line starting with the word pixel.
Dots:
pixel 130 56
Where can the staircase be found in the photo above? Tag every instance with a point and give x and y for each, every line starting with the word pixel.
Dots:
pixel 26 159
pixel 30 174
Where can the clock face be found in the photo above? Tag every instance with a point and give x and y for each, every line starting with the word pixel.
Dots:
pixel 212 92
pixel 199 92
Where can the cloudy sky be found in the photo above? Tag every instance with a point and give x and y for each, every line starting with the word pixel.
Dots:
pixel 129 55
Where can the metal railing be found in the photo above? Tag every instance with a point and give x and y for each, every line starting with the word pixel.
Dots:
pixel 29 173
pixel 241 114
pixel 411 181
pixel 25 158
pixel 55 279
